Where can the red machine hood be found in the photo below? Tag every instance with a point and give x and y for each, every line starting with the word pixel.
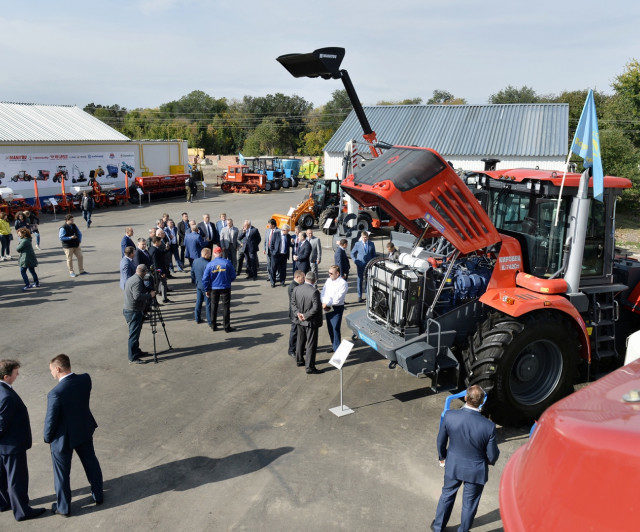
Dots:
pixel 416 183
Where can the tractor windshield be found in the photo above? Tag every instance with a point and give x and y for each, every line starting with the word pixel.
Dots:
pixel 531 220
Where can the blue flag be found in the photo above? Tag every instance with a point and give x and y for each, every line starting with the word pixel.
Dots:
pixel 586 144
pixel 243 161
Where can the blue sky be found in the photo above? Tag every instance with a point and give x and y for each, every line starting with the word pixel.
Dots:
pixel 146 52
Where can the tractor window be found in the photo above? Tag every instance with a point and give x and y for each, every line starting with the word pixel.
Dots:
pixel 334 187
pixel 531 221
pixel 593 259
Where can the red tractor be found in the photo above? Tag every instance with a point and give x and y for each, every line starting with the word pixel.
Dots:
pixel 487 285
pixel 239 178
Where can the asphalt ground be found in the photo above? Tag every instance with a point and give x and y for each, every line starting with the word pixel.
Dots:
pixel 225 432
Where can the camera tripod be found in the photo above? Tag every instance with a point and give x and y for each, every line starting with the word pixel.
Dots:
pixel 155 316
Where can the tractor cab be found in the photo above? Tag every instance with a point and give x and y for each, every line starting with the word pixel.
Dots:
pixel 325 193
pixel 522 203
pixel 237 172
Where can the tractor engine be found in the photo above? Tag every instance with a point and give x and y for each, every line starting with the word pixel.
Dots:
pixel 401 292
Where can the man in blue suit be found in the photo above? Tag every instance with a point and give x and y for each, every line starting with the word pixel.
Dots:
pixel 280 249
pixel 69 426
pixel 15 439
pixel 341 260
pixel 198 268
pixel 127 269
pixel 193 244
pixel 363 251
pixel 472 448
pixel 251 238
pixel 127 240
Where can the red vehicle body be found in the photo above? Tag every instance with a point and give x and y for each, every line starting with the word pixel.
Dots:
pixel 239 178
pixel 157 185
pixel 580 469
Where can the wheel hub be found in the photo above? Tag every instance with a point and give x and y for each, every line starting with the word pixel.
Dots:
pixel 536 372
pixel 527 367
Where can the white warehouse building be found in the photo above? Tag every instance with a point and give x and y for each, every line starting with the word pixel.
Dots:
pixel 471 137
pixel 41 143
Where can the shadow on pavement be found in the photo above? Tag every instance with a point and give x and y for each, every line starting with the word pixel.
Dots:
pixel 180 475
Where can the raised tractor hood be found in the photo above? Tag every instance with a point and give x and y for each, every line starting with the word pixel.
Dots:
pixel 416 183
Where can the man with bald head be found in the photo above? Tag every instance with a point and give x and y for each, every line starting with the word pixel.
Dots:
pixel 137 298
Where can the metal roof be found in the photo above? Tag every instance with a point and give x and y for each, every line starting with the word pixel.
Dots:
pixel 25 122
pixel 527 130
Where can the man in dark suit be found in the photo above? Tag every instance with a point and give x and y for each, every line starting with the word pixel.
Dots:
pixel 307 308
pixel 209 232
pixel 193 244
pixel 127 240
pixel 298 279
pixel 270 237
pixel 141 256
pixel 472 448
pixel 183 228
pixel 280 250
pixel 127 269
pixel 199 265
pixel 304 253
pixel 69 426
pixel 251 237
pixel 341 259
pixel 159 267
pixel 15 439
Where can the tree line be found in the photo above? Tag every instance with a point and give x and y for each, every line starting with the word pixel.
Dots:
pixel 278 124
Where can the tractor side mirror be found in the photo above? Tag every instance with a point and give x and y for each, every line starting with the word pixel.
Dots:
pixel 323 62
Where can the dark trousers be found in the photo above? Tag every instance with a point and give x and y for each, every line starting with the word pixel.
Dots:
pixel 14 484
pixel 6 244
pixel 62 469
pixel 240 263
pixel 182 254
pixel 280 267
pixel 334 323
pixel 222 296
pixel 307 345
pixel 201 297
pixel 271 268
pixel 293 339
pixel 251 258
pixel 134 320
pixel 173 248
pixel 470 500
pixel 294 267
pixel 231 254
pixel 87 217
pixel 362 280
pixel 23 272
pixel 193 275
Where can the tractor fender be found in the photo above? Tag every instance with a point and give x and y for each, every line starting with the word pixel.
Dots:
pixel 518 302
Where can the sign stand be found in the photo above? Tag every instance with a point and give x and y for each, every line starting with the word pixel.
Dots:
pixel 337 360
pixel 140 194
pixel 204 190
pixel 53 202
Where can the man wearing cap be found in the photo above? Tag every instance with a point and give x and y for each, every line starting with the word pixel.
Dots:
pixel 216 282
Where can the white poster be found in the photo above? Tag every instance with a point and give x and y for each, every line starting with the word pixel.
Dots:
pixel 19 171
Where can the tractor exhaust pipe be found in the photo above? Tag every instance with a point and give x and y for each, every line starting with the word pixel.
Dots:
pixel 577 234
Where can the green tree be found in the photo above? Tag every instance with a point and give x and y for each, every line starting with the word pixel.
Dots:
pixel 621 158
pixel 269 138
pixel 512 94
pixel 441 97
pixel 407 101
pixel 197 105
pixel 624 107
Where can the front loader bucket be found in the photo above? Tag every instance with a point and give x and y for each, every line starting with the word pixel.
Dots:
pixel 323 62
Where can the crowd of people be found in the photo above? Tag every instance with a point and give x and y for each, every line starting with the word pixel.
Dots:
pixel 217 253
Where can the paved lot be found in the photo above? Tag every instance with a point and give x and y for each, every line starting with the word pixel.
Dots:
pixel 225 432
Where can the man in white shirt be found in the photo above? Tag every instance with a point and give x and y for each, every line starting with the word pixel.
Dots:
pixel 332 297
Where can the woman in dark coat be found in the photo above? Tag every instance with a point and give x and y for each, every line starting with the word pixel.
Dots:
pixel 28 260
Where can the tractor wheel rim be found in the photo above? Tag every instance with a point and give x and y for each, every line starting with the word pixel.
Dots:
pixel 536 372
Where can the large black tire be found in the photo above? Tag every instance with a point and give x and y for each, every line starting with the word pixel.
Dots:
pixel 306 221
pixel 524 364
pixel 268 186
pixel 294 182
pixel 276 185
pixel 331 212
pixel 286 183
pixel 364 222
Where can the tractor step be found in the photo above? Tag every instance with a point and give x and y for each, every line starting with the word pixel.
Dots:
pixel 606 354
pixel 603 338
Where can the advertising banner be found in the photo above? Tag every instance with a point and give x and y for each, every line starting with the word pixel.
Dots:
pixel 19 170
